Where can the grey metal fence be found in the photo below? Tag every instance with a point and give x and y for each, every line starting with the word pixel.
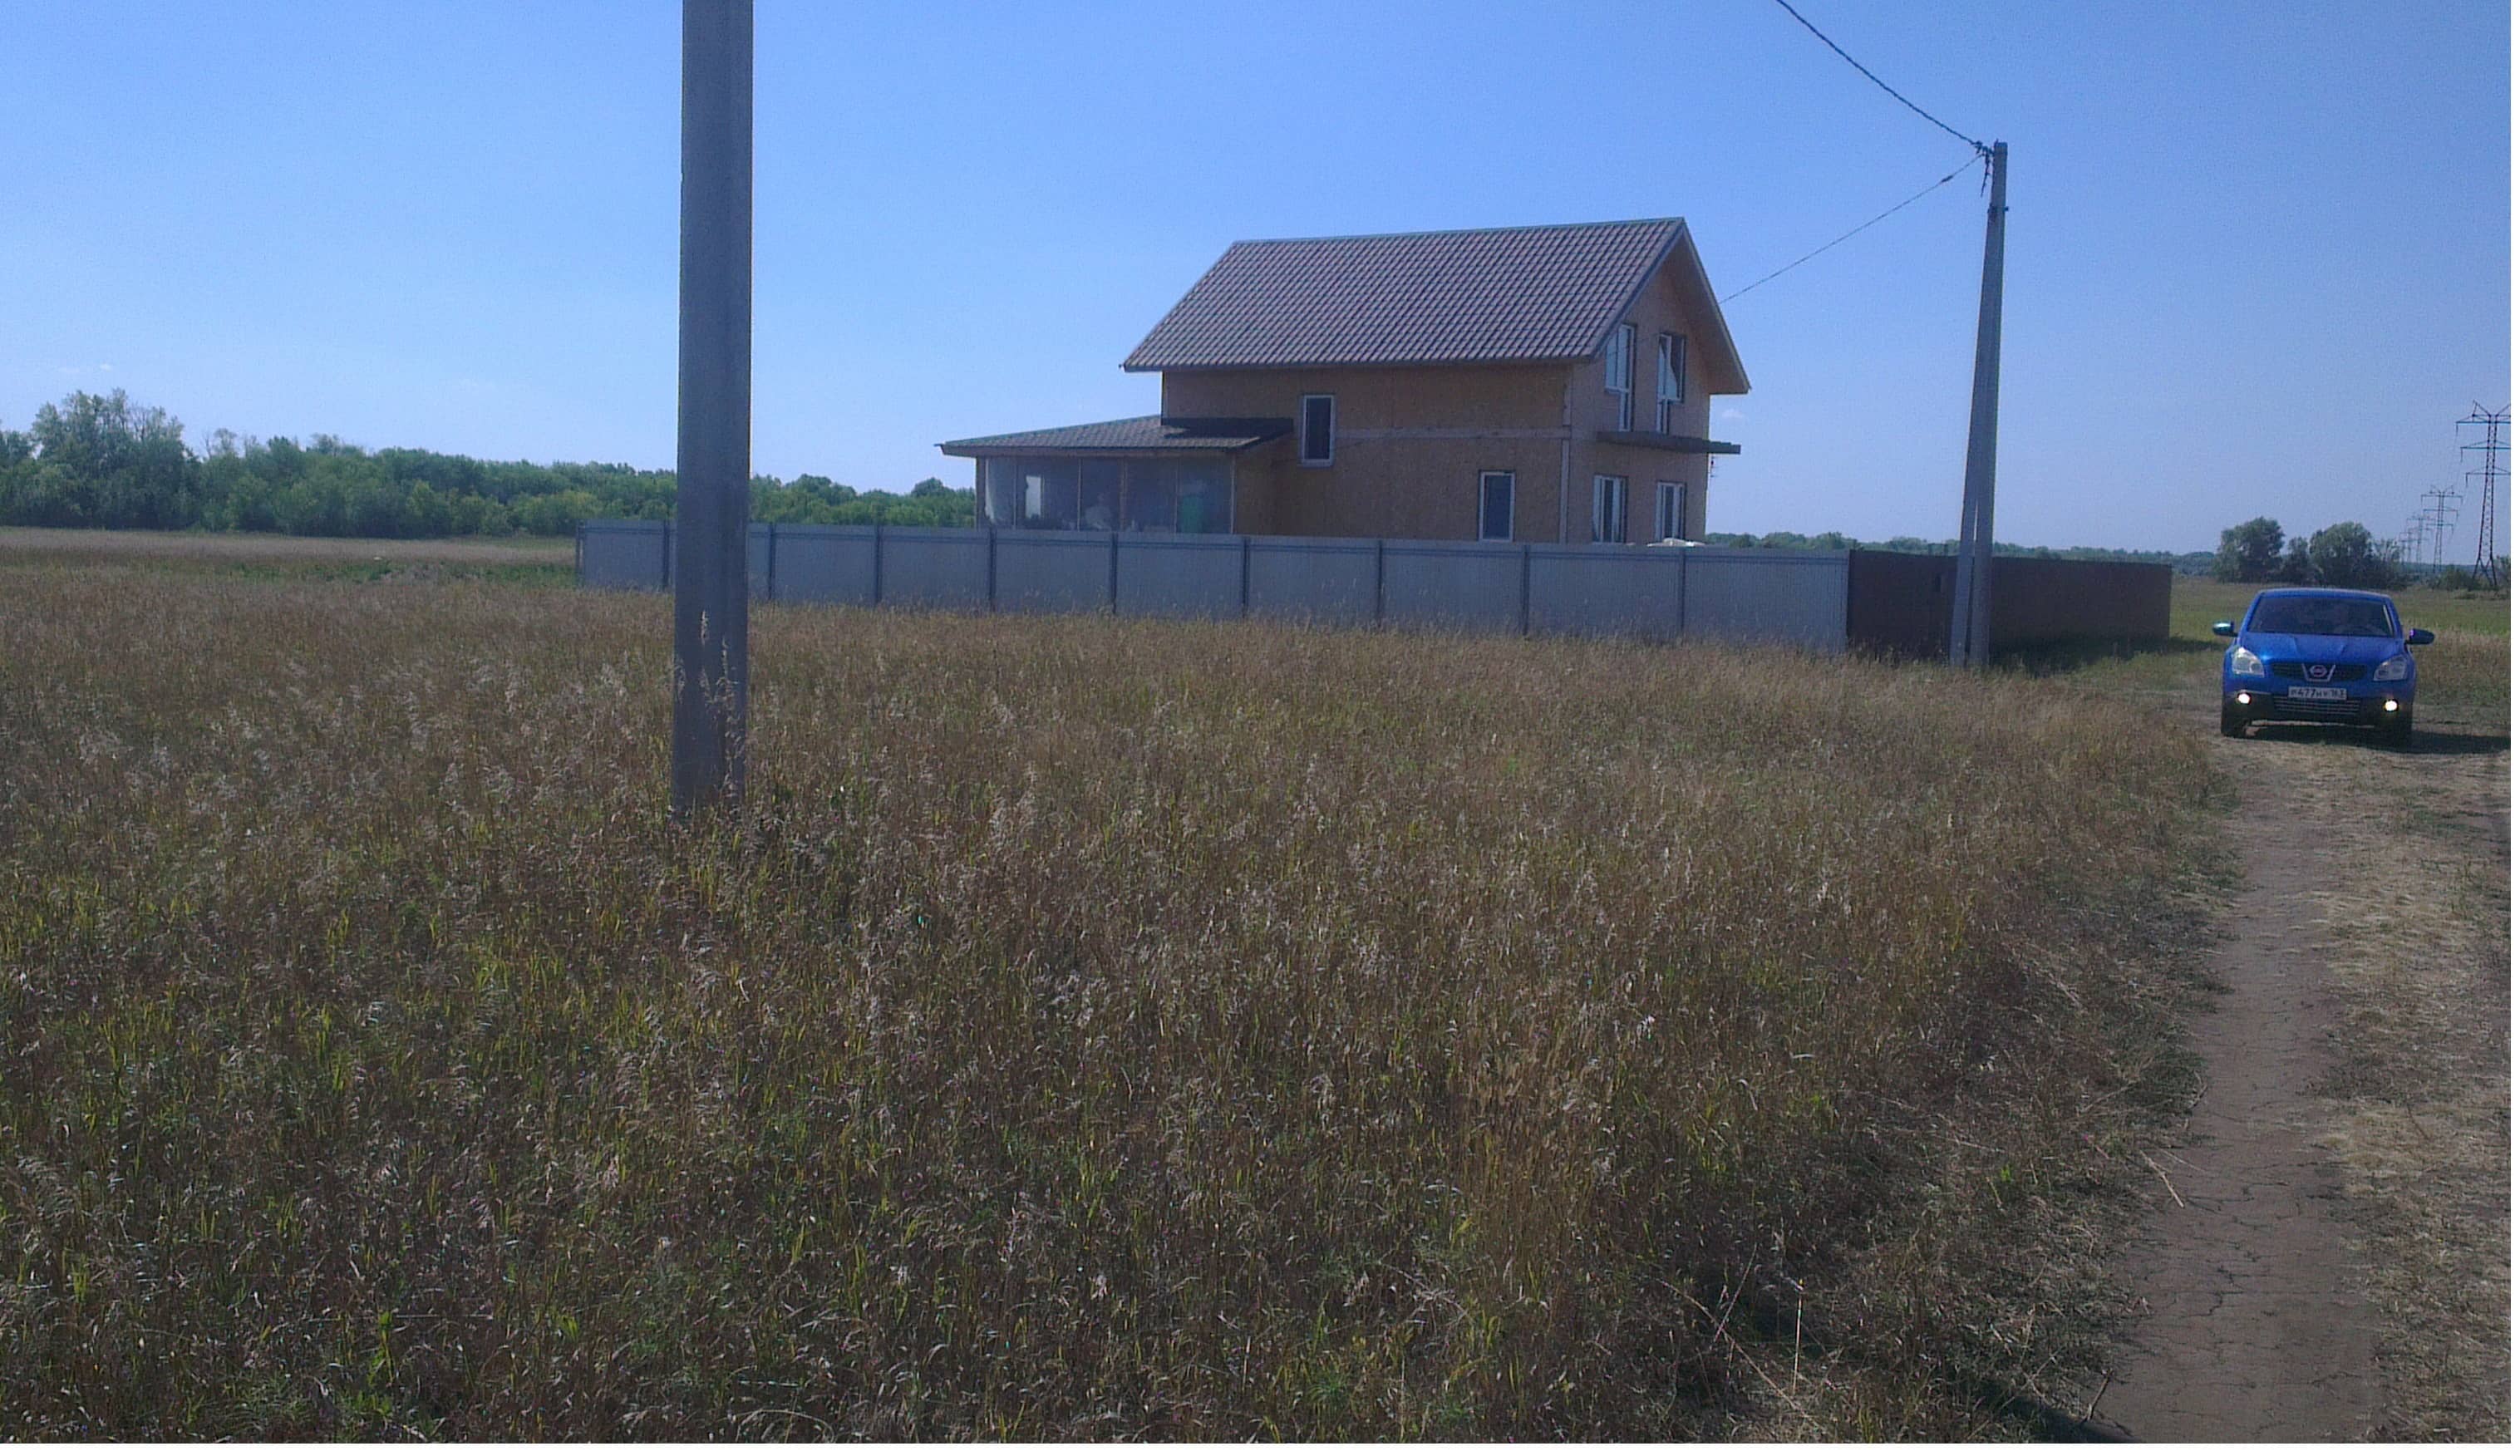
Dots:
pixel 1656 592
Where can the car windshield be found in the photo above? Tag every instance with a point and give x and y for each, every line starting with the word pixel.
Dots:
pixel 2323 616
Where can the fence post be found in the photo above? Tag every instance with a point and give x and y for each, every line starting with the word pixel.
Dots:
pixel 1526 588
pixel 1679 593
pixel 993 567
pixel 1111 580
pixel 874 587
pixel 770 568
pixel 1378 581
pixel 1245 599
pixel 665 558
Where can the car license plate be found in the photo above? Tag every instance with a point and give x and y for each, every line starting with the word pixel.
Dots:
pixel 2318 694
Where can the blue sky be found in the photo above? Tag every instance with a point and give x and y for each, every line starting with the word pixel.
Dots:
pixel 2260 253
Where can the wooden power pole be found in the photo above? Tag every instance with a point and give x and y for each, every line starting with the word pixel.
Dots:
pixel 1973 599
pixel 713 448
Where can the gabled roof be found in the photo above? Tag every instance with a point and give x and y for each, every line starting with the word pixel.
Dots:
pixel 1489 295
pixel 1154 433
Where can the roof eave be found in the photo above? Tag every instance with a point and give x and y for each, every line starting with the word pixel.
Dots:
pixel 1727 361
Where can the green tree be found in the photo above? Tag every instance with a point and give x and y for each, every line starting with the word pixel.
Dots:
pixel 2344 554
pixel 2251 551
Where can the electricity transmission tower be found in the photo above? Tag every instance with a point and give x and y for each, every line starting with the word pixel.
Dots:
pixel 2439 516
pixel 2489 476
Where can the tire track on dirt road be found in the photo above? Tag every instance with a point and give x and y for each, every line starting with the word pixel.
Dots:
pixel 2255 1322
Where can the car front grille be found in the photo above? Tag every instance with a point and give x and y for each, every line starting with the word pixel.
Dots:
pixel 2344 671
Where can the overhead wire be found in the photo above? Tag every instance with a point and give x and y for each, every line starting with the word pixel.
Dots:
pixel 1973 142
pixel 1842 236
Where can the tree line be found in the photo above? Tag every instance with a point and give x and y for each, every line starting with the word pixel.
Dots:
pixel 101 461
pixel 2192 563
pixel 2343 554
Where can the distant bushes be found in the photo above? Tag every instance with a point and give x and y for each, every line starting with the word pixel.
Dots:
pixel 101 461
pixel 2192 563
pixel 2343 554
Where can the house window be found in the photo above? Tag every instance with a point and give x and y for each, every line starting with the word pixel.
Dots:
pixel 1671 511
pixel 1319 429
pixel 1671 381
pixel 1619 373
pixel 1495 504
pixel 1609 508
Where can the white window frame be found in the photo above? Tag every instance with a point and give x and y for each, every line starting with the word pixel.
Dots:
pixel 1609 508
pixel 1671 511
pixel 1619 373
pixel 1671 381
pixel 1303 434
pixel 1484 478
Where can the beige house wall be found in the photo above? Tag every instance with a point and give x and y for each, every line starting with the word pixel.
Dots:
pixel 1411 446
pixel 1662 307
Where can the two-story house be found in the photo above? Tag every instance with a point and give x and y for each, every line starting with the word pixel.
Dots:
pixel 1544 384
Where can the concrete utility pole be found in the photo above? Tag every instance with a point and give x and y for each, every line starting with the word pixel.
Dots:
pixel 1973 599
pixel 713 453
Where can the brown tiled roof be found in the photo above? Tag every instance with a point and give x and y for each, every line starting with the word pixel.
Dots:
pixel 1145 432
pixel 1488 296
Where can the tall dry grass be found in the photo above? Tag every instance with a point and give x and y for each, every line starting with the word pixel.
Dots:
pixel 1094 1028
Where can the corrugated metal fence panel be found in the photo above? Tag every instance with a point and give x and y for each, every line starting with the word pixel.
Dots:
pixel 827 564
pixel 1755 595
pixel 2039 599
pixel 1606 590
pixel 935 566
pixel 1656 592
pixel 1055 571
pixel 1323 579
pixel 1467 586
pixel 622 555
pixel 1899 604
pixel 1179 576
pixel 758 562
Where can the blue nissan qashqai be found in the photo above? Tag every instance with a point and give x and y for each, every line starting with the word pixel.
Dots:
pixel 2311 654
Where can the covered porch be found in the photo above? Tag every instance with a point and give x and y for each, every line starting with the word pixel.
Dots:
pixel 1148 474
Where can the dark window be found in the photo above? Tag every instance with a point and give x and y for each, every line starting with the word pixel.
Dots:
pixel 1610 508
pixel 1671 511
pixel 1496 506
pixel 1671 381
pixel 1319 429
pixel 1619 373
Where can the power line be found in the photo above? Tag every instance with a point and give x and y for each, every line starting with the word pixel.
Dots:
pixel 1978 146
pixel 1842 236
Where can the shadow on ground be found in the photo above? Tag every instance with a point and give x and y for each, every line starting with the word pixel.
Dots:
pixel 2052 658
pixel 2425 743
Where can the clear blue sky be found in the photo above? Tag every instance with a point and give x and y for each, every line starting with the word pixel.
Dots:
pixel 2260 253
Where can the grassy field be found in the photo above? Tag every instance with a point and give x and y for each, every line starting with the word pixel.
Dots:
pixel 2464 675
pixel 1095 1028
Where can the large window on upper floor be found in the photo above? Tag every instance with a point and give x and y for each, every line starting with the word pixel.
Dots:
pixel 1619 373
pixel 1317 428
pixel 1671 381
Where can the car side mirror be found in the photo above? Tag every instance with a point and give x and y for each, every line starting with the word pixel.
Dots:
pixel 2417 637
pixel 2226 629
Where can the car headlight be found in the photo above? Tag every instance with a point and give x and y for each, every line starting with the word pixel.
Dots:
pixel 2395 670
pixel 2245 664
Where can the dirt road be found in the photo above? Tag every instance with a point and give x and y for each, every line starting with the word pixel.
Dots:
pixel 2328 1256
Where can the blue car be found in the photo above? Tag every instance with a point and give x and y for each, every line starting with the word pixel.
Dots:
pixel 2313 655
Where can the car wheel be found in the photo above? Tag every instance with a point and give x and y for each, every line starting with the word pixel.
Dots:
pixel 2401 728
pixel 2235 724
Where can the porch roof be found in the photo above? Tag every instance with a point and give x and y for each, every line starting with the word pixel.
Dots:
pixel 1143 434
